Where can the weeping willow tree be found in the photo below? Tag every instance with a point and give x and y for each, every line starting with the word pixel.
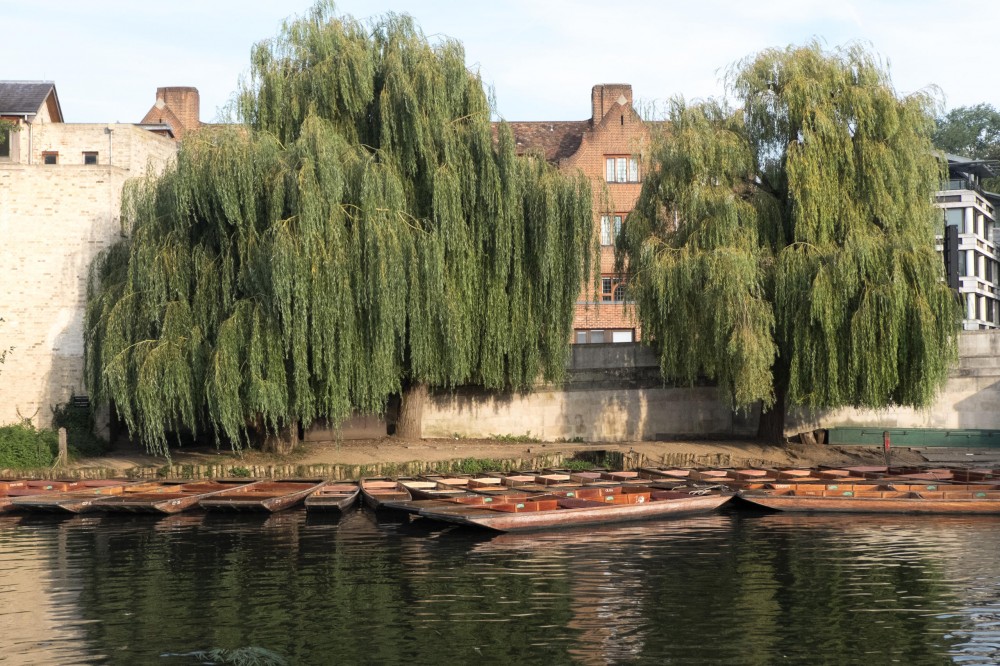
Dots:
pixel 785 249
pixel 360 233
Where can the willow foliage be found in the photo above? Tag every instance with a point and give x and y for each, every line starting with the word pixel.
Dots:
pixel 361 229
pixel 786 249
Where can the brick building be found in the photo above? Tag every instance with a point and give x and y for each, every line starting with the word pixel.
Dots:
pixel 60 197
pixel 177 110
pixel 608 148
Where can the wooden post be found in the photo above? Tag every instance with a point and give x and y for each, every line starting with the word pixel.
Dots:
pixel 63 458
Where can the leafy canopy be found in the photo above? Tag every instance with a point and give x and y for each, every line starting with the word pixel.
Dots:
pixel 361 230
pixel 971 131
pixel 786 248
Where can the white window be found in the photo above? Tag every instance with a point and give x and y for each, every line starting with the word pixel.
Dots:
pixel 596 336
pixel 611 226
pixel 621 169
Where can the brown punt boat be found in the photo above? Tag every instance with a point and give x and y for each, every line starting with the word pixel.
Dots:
pixel 167 497
pixel 263 496
pixel 377 492
pixel 81 498
pixel 11 488
pixel 884 498
pixel 568 508
pixel 334 496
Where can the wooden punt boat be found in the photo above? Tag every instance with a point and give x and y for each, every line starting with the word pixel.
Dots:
pixel 267 496
pixel 377 492
pixel 895 497
pixel 11 488
pixel 80 498
pixel 167 497
pixel 334 496
pixel 567 508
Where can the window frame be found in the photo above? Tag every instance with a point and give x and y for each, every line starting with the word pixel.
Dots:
pixel 88 154
pixel 612 289
pixel 611 228
pixel 622 169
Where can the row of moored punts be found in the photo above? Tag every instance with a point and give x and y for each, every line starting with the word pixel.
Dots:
pixel 543 499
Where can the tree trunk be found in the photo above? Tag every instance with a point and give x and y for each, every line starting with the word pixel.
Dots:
pixel 410 422
pixel 284 441
pixel 771 427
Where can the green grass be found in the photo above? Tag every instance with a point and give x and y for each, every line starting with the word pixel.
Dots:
pixel 520 439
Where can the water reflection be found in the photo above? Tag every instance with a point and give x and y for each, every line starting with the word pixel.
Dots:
pixel 725 588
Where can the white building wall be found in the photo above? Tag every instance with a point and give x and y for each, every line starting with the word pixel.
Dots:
pixel 53 221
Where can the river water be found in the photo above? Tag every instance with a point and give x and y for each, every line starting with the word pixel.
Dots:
pixel 726 588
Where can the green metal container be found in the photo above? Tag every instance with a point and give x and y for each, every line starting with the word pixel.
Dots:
pixel 872 436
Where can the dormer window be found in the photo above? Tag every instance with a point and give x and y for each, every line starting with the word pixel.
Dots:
pixel 621 169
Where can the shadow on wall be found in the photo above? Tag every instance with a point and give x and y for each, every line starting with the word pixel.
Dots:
pixel 589 414
pixel 63 347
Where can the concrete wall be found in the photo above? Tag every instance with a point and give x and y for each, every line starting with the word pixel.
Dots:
pixel 53 221
pixel 612 392
pixel 970 398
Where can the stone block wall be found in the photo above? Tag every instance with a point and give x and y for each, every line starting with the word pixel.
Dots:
pixel 53 221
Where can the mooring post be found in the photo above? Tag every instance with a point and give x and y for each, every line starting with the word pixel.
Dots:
pixel 63 458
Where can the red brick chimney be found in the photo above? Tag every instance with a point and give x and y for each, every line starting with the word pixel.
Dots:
pixel 605 95
pixel 176 106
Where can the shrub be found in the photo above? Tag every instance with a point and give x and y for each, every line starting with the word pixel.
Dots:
pixel 24 447
pixel 79 424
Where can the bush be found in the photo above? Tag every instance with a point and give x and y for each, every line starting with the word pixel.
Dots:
pixel 79 424
pixel 24 447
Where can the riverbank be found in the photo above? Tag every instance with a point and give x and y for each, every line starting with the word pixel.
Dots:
pixel 354 458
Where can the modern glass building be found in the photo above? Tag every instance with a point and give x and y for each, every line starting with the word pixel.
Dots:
pixel 968 239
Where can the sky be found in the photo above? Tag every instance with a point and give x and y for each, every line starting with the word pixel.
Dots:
pixel 541 57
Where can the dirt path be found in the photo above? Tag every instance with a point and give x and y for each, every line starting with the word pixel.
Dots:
pixel 392 450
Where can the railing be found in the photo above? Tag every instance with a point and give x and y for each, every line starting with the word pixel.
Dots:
pixel 961 184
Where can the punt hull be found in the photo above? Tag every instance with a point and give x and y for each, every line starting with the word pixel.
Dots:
pixel 377 492
pixel 169 498
pixel 76 501
pixel 559 518
pixel 334 496
pixel 263 496
pixel 874 504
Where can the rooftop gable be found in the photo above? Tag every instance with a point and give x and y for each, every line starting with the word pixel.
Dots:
pixel 26 98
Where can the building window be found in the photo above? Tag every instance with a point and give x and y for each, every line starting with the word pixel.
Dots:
pixel 6 138
pixel 611 226
pixel 50 157
pixel 596 336
pixel 621 169
pixel 612 290
pixel 90 157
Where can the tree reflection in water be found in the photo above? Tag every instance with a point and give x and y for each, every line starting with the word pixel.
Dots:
pixel 722 588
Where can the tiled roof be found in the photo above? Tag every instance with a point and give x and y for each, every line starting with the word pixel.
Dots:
pixel 21 97
pixel 556 140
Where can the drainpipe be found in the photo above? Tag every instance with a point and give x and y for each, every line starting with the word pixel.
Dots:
pixel 110 132
pixel 29 135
